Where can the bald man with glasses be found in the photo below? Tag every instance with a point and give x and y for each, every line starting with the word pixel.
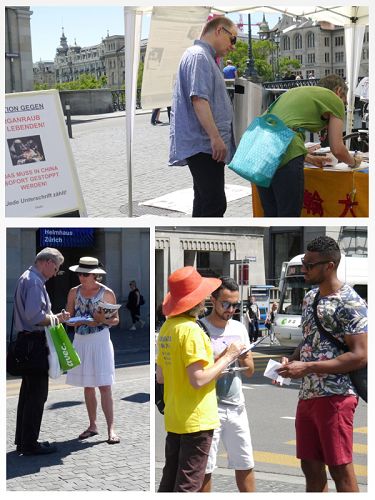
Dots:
pixel 201 133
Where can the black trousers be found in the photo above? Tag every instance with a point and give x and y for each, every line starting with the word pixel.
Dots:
pixel 253 330
pixel 186 457
pixel 284 197
pixel 33 395
pixel 208 184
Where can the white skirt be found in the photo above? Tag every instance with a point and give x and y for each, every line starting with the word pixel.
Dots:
pixel 97 366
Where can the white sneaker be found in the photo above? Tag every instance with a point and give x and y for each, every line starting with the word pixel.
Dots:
pixel 142 323
pixel 132 327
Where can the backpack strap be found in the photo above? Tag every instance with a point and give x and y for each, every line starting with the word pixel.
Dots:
pixel 322 331
pixel 203 327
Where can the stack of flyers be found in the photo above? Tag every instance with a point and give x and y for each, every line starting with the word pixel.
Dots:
pixel 271 372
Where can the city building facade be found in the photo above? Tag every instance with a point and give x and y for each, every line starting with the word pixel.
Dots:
pixel 320 49
pixel 18 55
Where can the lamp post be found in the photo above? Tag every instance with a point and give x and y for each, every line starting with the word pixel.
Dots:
pixel 251 72
pixel 277 42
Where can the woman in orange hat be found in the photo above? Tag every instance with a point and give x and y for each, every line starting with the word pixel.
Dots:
pixel 185 364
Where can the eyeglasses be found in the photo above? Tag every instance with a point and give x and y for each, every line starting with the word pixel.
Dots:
pixel 227 305
pixel 84 274
pixel 233 39
pixel 311 265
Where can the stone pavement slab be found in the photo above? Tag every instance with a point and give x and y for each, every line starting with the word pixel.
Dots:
pixel 91 464
pixel 99 150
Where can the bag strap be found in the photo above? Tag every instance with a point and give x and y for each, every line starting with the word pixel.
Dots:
pixel 203 327
pixel 11 327
pixel 322 330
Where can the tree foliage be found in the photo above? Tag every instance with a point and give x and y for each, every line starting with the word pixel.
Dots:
pixel 84 82
pixel 263 52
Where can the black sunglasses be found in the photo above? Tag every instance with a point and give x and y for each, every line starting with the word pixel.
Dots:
pixel 233 39
pixel 84 274
pixel 311 265
pixel 227 305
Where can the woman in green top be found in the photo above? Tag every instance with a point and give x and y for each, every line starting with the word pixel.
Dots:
pixel 312 109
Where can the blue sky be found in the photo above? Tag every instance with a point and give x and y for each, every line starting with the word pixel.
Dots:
pixel 87 25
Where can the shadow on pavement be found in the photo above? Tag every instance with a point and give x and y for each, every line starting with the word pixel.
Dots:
pixel 20 465
pixel 139 397
pixel 64 404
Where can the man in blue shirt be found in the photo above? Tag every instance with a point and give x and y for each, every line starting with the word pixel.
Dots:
pixel 229 71
pixel 32 312
pixel 201 118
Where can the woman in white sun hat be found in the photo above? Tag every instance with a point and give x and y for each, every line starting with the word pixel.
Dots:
pixel 93 343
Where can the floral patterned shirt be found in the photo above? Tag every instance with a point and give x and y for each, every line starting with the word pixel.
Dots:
pixel 341 313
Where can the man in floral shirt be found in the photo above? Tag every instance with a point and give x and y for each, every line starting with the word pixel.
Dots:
pixel 327 398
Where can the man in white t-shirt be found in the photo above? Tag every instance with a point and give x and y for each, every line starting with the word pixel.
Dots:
pixel 234 428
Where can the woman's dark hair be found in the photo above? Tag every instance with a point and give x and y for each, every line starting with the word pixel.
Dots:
pixel 327 247
pixel 227 283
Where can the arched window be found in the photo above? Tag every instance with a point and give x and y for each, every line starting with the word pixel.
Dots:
pixel 298 41
pixel 310 40
pixel 286 43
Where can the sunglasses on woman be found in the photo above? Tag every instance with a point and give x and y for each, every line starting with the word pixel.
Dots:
pixel 84 274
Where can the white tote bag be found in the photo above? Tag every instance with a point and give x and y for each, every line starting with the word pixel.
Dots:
pixel 54 370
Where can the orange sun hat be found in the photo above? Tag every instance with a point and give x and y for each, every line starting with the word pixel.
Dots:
pixel 187 288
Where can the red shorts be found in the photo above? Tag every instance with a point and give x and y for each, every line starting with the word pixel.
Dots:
pixel 324 429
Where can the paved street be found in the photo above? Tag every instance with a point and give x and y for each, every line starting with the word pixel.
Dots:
pixel 271 412
pixel 91 464
pixel 99 149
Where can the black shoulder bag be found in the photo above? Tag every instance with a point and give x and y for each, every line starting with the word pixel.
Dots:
pixel 358 377
pixel 159 388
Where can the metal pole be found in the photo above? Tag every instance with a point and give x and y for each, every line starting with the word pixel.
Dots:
pixel 68 120
pixel 251 72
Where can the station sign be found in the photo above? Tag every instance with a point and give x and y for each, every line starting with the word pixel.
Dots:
pixel 66 237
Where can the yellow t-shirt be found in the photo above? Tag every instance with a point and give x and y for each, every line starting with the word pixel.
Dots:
pixel 182 342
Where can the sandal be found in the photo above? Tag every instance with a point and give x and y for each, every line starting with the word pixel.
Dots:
pixel 86 434
pixel 113 440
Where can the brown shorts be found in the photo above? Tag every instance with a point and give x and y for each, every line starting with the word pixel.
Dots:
pixel 186 458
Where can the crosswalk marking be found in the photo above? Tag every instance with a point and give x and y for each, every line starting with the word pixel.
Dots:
pixel 360 430
pixel 361 449
pixel 291 461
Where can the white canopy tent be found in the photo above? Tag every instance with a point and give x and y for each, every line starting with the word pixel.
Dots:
pixel 354 19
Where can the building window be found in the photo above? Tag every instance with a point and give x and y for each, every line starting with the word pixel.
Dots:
pixel 286 43
pixel 340 72
pixel 327 72
pixel 298 41
pixel 326 41
pixel 339 41
pixel 339 57
pixel 310 40
pixel 311 58
pixel 326 57
pixel 299 58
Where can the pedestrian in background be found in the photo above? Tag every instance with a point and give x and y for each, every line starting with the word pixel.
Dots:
pixel 32 312
pixel 230 70
pixel 134 305
pixel 234 431
pixel 253 316
pixel 201 134
pixel 270 321
pixel 327 397
pixel 186 367
pixel 155 117
pixel 93 343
